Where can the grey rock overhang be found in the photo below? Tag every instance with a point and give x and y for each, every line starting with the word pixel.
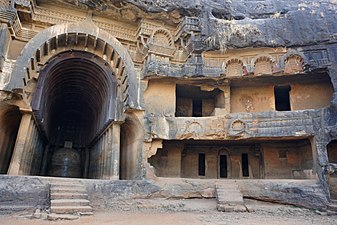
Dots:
pixel 235 24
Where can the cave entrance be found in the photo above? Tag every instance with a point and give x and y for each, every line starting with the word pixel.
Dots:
pixel 74 106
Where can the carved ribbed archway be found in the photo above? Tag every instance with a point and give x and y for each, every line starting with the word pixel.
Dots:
pixel 83 37
pixel 79 81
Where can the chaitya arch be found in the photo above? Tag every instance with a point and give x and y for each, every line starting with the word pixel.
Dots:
pixel 78 81
pixel 83 36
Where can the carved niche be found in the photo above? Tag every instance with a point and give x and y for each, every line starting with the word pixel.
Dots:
pixel 263 65
pixel 161 43
pixel 293 64
pixel 234 68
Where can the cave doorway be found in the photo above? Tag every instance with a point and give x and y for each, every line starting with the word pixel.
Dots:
pixel 74 107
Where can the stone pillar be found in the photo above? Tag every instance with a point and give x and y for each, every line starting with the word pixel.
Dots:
pixel 227 93
pixel 174 160
pixel 17 160
pixel 115 151
pixel 27 154
pixel 110 153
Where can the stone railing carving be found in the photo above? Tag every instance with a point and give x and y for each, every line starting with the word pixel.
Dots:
pixel 187 26
pixel 234 126
pixel 9 15
pixel 162 68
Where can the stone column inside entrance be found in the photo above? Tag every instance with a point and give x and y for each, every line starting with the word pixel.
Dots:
pixel 28 150
pixel 104 155
pixel 17 163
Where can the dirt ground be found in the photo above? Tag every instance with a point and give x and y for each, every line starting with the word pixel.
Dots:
pixel 181 212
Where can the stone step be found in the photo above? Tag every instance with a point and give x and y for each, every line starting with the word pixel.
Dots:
pixel 69 202
pixel 86 213
pixel 229 197
pixel 228 192
pixel 332 207
pixel 67 190
pixel 331 213
pixel 70 209
pixel 62 179
pixel 333 201
pixel 228 186
pixel 68 196
pixel 72 185
pixel 57 216
pixel 229 208
pixel 231 202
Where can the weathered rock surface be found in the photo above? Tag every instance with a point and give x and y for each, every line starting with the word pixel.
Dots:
pixel 21 193
pixel 102 193
pixel 186 188
pixel 305 193
pixel 234 24
pixel 54 216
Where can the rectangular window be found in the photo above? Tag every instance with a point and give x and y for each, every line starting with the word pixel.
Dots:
pixel 282 99
pixel 202 164
pixel 245 165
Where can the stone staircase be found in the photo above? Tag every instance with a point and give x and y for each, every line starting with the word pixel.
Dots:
pixel 68 199
pixel 229 197
pixel 332 207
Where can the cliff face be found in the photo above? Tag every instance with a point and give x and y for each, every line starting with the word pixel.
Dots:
pixel 233 24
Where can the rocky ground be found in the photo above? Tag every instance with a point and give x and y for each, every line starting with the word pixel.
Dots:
pixel 179 212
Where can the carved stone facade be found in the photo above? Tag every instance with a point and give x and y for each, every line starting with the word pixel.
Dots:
pixel 136 91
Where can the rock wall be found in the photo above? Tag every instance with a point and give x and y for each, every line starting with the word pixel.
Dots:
pixel 235 24
pixel 104 193
pixel 22 193
pixel 304 193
